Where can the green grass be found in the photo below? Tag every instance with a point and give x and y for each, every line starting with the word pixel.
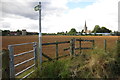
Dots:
pixel 94 64
pixel 55 69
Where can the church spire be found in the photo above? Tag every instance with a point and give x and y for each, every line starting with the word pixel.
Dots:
pixel 85 27
pixel 85 23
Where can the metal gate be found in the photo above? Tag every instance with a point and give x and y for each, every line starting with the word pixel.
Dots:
pixel 13 65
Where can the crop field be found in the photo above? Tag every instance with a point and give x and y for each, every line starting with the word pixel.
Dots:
pixel 50 49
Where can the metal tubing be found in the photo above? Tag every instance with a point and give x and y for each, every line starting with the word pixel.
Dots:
pixel 40 35
pixel 23 53
pixel 21 44
pixel 27 75
pixel 24 70
pixel 24 61
pixel 11 53
pixel 35 54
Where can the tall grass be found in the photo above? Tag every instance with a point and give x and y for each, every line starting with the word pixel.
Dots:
pixel 94 64
pixel 55 69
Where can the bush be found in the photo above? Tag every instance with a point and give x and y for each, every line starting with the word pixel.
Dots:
pixel 56 69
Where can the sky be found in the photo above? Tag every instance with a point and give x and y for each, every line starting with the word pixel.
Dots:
pixel 58 15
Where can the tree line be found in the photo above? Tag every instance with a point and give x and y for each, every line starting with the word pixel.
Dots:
pixel 73 31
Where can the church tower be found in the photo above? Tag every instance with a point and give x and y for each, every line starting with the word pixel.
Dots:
pixel 85 27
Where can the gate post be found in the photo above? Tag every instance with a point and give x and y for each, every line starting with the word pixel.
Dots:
pixel 35 54
pixel 11 55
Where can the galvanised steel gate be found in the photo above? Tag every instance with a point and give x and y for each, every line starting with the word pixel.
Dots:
pixel 13 65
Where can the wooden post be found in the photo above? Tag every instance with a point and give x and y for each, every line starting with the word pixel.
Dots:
pixel 93 44
pixel 105 44
pixel 80 45
pixel 5 64
pixel 0 64
pixel 117 42
pixel 56 50
pixel 118 48
pixel 11 55
pixel 72 46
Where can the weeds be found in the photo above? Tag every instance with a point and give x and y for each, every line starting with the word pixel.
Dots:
pixel 94 64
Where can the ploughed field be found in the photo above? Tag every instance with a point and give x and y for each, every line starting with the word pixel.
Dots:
pixel 50 49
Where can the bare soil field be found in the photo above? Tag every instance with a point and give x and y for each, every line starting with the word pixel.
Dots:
pixel 99 41
pixel 50 50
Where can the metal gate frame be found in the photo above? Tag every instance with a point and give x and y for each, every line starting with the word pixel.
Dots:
pixel 11 56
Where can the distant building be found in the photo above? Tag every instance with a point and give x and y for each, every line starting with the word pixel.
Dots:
pixel 13 33
pixel 24 32
pixel 17 33
pixel 85 30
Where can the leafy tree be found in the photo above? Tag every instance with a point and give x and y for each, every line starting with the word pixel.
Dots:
pixel 60 33
pixel 105 30
pixel 82 31
pixel 96 29
pixel 66 32
pixel 19 32
pixel 5 32
pixel 72 31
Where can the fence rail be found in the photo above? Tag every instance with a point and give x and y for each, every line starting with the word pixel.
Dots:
pixel 71 49
pixel 55 43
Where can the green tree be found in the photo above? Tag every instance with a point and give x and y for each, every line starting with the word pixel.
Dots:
pixel 105 30
pixel 5 32
pixel 82 31
pixel 96 29
pixel 72 31
pixel 19 32
pixel 60 33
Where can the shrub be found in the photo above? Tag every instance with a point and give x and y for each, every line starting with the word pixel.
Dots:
pixel 56 69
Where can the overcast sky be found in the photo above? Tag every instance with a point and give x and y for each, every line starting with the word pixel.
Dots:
pixel 59 15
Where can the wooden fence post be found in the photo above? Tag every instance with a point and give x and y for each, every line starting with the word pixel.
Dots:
pixel 5 65
pixel 93 44
pixel 56 50
pixel 105 45
pixel 117 41
pixel 80 45
pixel 118 48
pixel 72 47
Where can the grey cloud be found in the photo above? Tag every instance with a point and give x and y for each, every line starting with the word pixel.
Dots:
pixel 22 9
pixel 26 9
